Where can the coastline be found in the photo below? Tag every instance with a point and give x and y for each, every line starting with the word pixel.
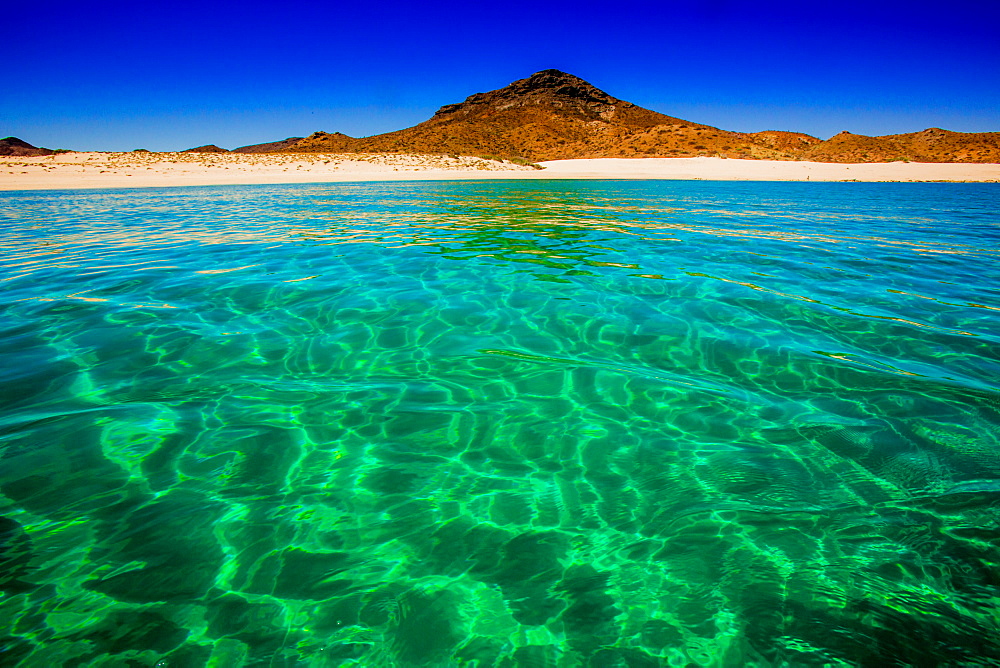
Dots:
pixel 157 170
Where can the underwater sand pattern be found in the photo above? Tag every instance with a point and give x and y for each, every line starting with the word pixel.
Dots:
pixel 501 424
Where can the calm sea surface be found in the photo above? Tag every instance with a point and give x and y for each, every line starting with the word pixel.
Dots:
pixel 501 424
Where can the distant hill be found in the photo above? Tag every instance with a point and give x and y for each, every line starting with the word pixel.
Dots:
pixel 19 147
pixel 208 148
pixel 270 147
pixel 931 145
pixel 553 115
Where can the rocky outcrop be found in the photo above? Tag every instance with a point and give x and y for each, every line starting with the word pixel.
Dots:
pixel 19 147
pixel 553 115
pixel 269 147
pixel 549 115
pixel 931 145
pixel 208 148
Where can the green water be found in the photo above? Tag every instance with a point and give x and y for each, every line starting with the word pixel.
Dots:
pixel 501 424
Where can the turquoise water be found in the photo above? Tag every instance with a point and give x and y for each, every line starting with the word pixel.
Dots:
pixel 501 424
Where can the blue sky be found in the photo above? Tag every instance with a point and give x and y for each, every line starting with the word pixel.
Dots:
pixel 167 76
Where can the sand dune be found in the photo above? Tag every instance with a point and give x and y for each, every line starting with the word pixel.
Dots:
pixel 140 170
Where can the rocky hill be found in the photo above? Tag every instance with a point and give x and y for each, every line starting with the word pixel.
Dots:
pixel 931 145
pixel 208 148
pixel 269 147
pixel 548 116
pixel 19 147
pixel 553 115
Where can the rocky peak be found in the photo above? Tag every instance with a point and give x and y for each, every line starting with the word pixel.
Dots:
pixel 269 147
pixel 548 88
pixel 557 84
pixel 19 147
pixel 319 134
pixel 844 136
pixel 16 143
pixel 207 148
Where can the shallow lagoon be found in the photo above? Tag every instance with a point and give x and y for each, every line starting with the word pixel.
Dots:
pixel 501 423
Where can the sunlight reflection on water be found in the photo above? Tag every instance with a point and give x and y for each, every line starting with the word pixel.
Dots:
pixel 512 423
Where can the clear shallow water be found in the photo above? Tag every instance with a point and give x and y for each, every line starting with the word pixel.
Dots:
pixel 512 424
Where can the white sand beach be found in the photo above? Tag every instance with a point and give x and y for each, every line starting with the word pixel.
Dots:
pixel 721 169
pixel 140 169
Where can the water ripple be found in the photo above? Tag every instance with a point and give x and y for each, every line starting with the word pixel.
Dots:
pixel 501 423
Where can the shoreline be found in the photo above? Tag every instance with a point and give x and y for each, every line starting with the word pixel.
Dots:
pixel 71 171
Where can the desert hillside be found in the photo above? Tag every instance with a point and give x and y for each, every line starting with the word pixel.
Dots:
pixel 553 115
pixel 19 147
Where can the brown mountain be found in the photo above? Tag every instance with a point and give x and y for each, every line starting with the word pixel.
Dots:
pixel 208 148
pixel 19 147
pixel 269 147
pixel 931 145
pixel 552 115
pixel 548 116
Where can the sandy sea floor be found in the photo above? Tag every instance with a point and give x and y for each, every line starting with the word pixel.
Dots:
pixel 552 423
pixel 123 170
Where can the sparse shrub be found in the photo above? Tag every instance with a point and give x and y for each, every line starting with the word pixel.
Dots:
pixel 525 162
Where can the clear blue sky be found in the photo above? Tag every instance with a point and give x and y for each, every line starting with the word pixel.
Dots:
pixel 109 75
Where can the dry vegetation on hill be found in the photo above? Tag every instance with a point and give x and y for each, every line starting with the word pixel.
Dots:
pixel 552 115
pixel 931 145
pixel 210 148
pixel 18 147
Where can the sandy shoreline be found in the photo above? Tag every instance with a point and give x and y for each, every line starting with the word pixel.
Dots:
pixel 137 170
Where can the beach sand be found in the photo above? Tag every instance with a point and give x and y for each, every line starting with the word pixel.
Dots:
pixel 137 170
